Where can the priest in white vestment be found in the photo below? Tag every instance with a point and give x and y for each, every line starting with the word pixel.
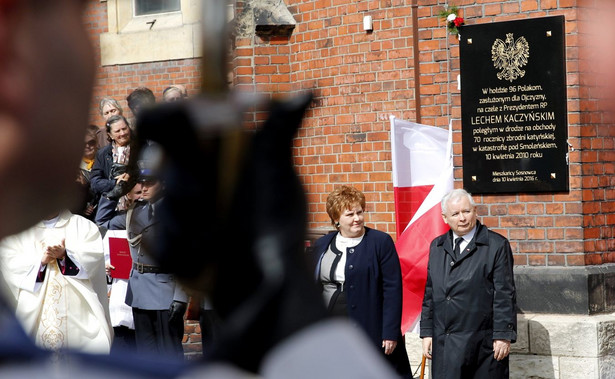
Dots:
pixel 55 273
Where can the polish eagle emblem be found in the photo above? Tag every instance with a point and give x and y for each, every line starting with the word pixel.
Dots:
pixel 509 56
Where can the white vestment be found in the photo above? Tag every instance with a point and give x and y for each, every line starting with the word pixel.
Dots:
pixel 62 312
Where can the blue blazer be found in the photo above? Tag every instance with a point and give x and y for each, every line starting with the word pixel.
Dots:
pixel 373 284
pixel 99 179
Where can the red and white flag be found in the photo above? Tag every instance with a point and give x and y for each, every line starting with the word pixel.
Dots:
pixel 422 175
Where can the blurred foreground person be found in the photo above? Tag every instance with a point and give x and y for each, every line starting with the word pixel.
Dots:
pixel 358 270
pixel 46 76
pixel 469 316
pixel 56 274
pixel 274 323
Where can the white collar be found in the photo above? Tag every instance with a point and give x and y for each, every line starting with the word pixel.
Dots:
pixel 467 237
pixel 51 223
pixel 348 241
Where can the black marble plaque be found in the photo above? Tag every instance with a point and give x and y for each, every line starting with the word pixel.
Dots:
pixel 513 106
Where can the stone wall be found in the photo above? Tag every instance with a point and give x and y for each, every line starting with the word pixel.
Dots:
pixel 360 78
pixel 551 346
pixel 564 346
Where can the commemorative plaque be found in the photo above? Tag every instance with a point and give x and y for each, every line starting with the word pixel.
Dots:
pixel 513 106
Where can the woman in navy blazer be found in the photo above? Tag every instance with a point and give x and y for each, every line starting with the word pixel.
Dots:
pixel 360 277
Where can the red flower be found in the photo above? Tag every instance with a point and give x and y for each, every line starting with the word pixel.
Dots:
pixel 458 21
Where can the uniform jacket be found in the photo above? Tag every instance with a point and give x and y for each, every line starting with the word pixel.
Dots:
pixel 372 284
pixel 468 303
pixel 149 291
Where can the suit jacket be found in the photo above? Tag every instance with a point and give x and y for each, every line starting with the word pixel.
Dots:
pixel 469 302
pixel 149 291
pixel 372 284
pixel 99 178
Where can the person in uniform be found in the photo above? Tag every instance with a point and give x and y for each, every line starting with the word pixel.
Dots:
pixel 158 301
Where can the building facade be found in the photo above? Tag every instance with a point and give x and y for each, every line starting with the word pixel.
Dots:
pixel 407 65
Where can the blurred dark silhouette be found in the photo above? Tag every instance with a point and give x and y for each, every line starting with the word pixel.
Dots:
pixel 234 221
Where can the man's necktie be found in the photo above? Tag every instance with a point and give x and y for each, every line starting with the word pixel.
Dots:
pixel 458 246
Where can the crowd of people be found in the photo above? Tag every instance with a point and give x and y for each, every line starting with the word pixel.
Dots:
pixel 63 301
pixel 56 270
pixel 53 268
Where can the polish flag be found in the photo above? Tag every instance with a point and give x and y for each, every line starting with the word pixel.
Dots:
pixel 422 175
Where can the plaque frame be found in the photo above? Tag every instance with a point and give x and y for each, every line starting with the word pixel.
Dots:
pixel 514 106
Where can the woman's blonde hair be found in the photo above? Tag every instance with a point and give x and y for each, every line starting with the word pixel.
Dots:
pixel 341 199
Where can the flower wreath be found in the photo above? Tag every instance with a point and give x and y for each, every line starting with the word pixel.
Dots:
pixel 452 20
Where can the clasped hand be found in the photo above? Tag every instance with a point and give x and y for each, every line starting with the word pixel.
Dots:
pixel 53 252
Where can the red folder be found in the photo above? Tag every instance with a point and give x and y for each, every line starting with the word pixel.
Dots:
pixel 119 254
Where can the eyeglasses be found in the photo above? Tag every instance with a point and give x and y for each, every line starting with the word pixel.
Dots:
pixel 90 143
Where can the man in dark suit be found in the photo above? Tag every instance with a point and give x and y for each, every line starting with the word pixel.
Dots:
pixel 469 314
pixel 158 301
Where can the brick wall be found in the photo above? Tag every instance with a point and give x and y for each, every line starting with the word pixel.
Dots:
pixel 360 78
pixel 597 136
pixel 547 229
pixel 544 229
pixel 118 81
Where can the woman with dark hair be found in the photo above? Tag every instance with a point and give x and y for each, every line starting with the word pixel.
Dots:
pixel 111 172
pixel 359 273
